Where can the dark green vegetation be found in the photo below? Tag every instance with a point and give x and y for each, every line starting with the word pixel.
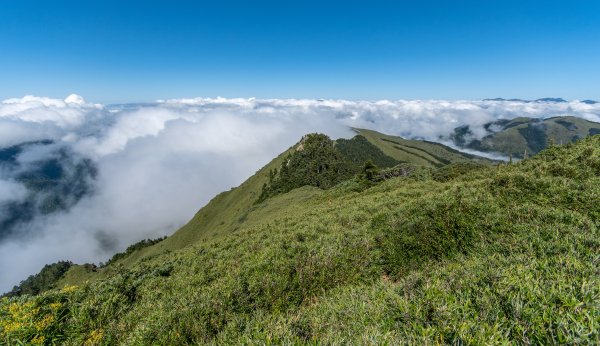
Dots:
pixel 463 254
pixel 53 184
pixel 320 162
pixel 45 280
pixel 314 162
pixel 359 150
pixel 520 137
pixel 133 248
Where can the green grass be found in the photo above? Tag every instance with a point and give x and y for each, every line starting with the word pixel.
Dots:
pixel 506 254
pixel 417 152
pixel 527 135
pixel 222 215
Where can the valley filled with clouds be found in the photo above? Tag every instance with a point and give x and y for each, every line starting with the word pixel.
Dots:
pixel 80 181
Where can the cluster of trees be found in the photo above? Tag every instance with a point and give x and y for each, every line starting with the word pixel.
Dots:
pixel 44 280
pixel 321 162
pixel 316 162
pixel 132 248
pixel 50 274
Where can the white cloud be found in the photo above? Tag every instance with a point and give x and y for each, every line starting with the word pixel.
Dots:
pixel 159 163
pixel 11 191
pixel 63 113
pixel 426 119
pixel 33 118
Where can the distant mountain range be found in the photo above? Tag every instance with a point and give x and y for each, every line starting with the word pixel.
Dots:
pixel 523 136
pixel 545 99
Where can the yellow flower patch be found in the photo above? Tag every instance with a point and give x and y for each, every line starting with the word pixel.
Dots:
pixel 23 320
pixel 38 340
pixel 69 288
pixel 95 337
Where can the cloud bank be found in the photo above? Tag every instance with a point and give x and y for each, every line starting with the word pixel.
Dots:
pixel 157 164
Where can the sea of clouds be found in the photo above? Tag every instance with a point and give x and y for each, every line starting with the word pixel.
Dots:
pixel 159 163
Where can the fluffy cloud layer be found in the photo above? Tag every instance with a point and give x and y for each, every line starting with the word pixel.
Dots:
pixel 426 119
pixel 158 163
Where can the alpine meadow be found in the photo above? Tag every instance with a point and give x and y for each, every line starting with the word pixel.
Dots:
pixel 300 172
pixel 464 252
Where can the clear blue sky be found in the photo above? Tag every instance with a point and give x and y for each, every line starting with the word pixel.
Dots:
pixel 125 51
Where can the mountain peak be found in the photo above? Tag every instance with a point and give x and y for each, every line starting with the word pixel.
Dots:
pixel 544 99
pixel 551 99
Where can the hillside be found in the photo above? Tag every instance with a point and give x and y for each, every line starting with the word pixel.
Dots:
pixel 418 152
pixel 225 213
pixel 496 254
pixel 525 136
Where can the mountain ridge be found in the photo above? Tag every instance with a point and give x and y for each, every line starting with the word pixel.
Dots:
pixel 222 214
pixel 543 99
pixel 462 253
pixel 522 136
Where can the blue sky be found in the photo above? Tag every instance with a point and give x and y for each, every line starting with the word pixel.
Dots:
pixel 129 51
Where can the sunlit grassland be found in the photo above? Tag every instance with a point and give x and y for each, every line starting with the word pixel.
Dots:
pixel 501 254
pixel 416 151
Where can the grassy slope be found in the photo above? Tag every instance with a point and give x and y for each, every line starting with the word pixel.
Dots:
pixel 224 213
pixel 415 151
pixel 502 254
pixel 512 141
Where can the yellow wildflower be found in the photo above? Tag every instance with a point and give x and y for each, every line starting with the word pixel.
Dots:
pixel 12 326
pixel 69 288
pixel 38 340
pixel 44 323
pixel 95 337
pixel 14 308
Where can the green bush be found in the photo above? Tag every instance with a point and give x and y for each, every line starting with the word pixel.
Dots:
pixel 42 281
